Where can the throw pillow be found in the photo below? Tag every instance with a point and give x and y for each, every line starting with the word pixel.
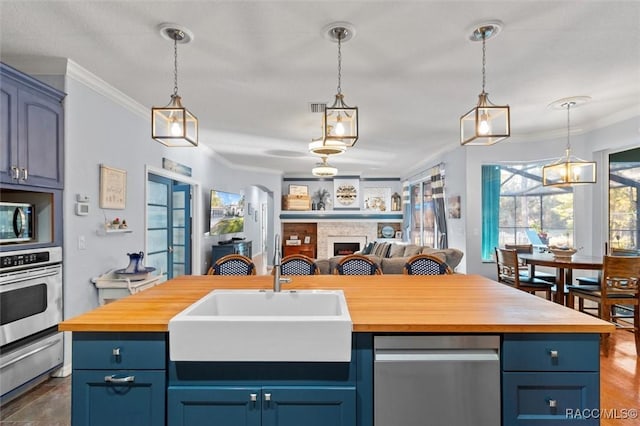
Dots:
pixel 396 250
pixel 367 249
pixel 411 250
pixel 381 249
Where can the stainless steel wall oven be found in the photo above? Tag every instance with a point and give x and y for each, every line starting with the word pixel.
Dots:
pixel 30 309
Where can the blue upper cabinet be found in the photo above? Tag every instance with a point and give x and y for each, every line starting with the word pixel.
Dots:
pixel 31 135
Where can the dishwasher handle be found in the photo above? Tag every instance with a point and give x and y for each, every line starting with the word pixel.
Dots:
pixel 462 355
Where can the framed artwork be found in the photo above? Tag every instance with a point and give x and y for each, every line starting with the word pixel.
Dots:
pixel 113 188
pixel 298 190
pixel 307 239
pixel 454 207
pixel 346 194
pixel 377 199
pixel 398 235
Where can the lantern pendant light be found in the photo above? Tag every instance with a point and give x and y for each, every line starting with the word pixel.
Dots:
pixel 174 125
pixel 340 121
pixel 569 170
pixel 486 123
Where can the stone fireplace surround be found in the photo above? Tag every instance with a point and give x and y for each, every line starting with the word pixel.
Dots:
pixel 343 231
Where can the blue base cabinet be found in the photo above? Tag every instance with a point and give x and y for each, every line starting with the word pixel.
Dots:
pixel 138 402
pixel 261 406
pixel 547 378
pixel 119 379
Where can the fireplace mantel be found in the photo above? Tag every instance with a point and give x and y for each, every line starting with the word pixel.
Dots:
pixel 319 215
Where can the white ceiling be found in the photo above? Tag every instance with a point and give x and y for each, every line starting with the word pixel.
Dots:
pixel 254 67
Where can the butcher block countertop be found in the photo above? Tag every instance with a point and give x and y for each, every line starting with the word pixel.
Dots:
pixel 388 303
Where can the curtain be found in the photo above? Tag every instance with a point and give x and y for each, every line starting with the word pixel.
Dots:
pixel 490 210
pixel 437 188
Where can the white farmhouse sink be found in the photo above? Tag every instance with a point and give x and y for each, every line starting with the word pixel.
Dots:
pixel 253 325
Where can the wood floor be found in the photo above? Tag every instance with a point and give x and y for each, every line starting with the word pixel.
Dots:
pixel 49 403
pixel 620 380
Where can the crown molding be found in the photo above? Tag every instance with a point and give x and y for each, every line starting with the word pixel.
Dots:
pixel 94 82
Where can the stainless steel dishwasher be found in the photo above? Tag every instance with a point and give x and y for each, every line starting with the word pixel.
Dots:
pixel 437 380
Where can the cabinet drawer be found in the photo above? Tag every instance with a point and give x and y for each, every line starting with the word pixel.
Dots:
pixel 143 351
pixel 551 352
pixel 547 398
pixel 138 402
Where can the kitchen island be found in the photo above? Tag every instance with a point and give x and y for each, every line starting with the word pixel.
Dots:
pixel 544 348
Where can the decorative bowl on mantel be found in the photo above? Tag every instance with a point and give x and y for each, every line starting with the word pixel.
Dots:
pixel 562 253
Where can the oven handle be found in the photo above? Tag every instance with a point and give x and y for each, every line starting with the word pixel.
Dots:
pixel 10 278
pixel 30 353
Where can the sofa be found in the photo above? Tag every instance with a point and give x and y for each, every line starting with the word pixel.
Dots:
pixel 392 256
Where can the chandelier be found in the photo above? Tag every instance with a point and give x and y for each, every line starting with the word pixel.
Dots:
pixel 486 123
pixel 569 170
pixel 174 125
pixel 324 169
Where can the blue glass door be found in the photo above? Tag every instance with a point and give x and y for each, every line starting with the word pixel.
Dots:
pixel 168 226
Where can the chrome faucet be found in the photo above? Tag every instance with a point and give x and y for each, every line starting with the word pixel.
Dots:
pixel 277 260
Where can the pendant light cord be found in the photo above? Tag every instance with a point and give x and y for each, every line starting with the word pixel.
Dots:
pixel 484 62
pixel 175 64
pixel 569 128
pixel 340 35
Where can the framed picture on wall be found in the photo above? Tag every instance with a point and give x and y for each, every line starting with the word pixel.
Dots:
pixel 377 199
pixel 113 188
pixel 346 194
pixel 298 190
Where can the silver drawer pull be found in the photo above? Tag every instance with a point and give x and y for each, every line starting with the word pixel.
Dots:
pixel 553 403
pixel 114 379
pixel 116 351
pixel 553 354
pixel 267 397
pixel 254 397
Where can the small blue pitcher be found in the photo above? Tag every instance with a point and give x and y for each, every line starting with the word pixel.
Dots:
pixel 135 263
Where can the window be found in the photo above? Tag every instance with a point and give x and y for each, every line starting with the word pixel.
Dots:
pixel 427 221
pixel 624 182
pixel 514 202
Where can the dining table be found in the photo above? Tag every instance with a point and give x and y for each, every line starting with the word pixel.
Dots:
pixel 564 267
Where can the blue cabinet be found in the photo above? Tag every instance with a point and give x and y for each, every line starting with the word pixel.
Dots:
pixel 262 406
pixel 119 379
pixel 548 377
pixel 31 139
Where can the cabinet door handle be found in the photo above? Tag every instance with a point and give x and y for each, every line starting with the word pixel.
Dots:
pixel 553 354
pixel 113 379
pixel 553 403
pixel 15 172
pixel 267 397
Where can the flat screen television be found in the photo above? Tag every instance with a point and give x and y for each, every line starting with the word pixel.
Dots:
pixel 227 213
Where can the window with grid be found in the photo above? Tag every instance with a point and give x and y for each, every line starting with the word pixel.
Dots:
pixel 514 202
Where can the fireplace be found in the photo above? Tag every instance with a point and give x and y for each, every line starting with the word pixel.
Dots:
pixel 343 249
pixel 341 245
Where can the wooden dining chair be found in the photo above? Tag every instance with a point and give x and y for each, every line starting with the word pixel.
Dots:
pixel 426 264
pixel 618 286
pixel 233 264
pixel 357 264
pixel 509 273
pixel 298 264
pixel 525 271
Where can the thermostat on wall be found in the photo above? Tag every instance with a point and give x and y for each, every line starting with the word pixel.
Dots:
pixel 82 209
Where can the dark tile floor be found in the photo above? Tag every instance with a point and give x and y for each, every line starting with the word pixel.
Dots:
pixel 48 404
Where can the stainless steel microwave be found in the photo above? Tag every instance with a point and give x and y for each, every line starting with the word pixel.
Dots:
pixel 17 222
